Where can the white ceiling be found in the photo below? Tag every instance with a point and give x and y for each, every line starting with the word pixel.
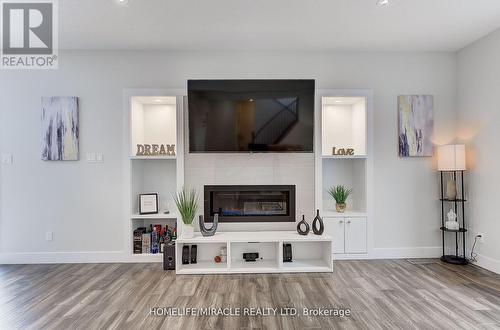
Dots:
pixel 276 25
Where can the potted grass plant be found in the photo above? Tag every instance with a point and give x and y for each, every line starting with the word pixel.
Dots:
pixel 340 194
pixel 187 204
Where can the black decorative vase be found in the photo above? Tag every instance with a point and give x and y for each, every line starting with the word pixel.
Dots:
pixel 317 219
pixel 210 231
pixel 301 224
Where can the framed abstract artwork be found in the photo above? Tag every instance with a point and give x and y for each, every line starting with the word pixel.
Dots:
pixel 60 132
pixel 416 125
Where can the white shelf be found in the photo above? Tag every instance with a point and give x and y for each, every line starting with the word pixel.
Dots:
pixel 269 246
pixel 306 265
pixel 203 267
pixel 346 214
pixel 154 157
pixel 154 216
pixel 258 266
pixel 257 236
pixel 343 157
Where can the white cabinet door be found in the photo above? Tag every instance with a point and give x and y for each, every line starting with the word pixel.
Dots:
pixel 335 228
pixel 355 235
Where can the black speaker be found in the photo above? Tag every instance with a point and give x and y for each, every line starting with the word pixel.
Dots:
pixel 194 250
pixel 287 252
pixel 169 256
pixel 185 254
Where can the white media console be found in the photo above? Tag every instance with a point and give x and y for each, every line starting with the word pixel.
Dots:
pixel 311 253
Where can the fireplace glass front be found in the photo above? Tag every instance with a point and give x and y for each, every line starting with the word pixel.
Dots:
pixel 250 203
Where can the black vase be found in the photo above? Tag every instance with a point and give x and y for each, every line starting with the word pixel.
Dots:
pixel 317 219
pixel 210 231
pixel 303 223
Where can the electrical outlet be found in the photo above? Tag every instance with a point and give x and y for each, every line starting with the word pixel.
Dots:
pixel 49 236
pixel 7 159
pixel 482 238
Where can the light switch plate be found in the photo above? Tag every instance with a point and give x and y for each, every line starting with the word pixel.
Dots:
pixel 7 159
pixel 49 236
pixel 95 157
pixel 91 157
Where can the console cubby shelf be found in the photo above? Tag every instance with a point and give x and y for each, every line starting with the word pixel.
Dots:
pixel 311 253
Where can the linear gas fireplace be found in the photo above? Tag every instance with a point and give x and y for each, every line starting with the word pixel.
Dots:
pixel 250 203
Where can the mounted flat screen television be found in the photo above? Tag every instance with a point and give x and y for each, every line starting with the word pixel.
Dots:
pixel 251 115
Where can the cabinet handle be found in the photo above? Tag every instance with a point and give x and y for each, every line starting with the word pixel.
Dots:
pixel 349 221
pixel 341 221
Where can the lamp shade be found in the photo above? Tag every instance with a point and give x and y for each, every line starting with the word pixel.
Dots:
pixel 451 157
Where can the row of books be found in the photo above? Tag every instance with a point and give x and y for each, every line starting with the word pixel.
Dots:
pixel 153 239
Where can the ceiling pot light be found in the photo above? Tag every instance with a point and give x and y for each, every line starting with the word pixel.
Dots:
pixel 121 2
pixel 382 2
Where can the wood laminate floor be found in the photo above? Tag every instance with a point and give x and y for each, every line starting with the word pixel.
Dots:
pixel 381 294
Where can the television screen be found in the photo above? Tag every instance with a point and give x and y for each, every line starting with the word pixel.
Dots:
pixel 251 115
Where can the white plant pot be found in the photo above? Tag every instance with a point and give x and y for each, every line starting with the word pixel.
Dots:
pixel 188 231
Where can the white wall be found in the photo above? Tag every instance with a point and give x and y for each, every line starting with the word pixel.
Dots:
pixel 359 125
pixel 479 123
pixel 81 202
pixel 336 128
pixel 344 126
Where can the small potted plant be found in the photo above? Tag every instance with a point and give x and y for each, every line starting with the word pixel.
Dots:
pixel 187 204
pixel 340 193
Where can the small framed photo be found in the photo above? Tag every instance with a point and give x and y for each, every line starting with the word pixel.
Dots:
pixel 148 204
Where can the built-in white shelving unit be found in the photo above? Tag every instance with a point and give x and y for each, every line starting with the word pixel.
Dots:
pixel 344 121
pixel 154 117
pixel 311 253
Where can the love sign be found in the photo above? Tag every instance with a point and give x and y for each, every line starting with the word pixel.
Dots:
pixel 342 151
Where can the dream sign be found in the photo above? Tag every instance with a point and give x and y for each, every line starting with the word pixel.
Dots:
pixel 155 150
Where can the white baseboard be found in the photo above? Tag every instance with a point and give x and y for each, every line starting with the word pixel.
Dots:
pixel 74 257
pixel 407 252
pixel 394 253
pixel 121 257
pixel 488 263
